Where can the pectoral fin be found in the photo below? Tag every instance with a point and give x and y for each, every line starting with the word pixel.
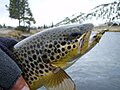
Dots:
pixel 58 80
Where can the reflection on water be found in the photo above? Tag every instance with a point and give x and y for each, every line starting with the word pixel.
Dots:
pixel 99 69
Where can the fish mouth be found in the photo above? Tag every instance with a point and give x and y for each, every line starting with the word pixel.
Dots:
pixel 84 42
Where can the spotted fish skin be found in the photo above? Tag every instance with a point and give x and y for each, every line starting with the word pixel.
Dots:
pixel 40 54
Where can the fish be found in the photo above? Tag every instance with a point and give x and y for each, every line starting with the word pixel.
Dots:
pixel 44 56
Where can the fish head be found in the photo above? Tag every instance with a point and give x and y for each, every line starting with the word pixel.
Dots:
pixel 69 43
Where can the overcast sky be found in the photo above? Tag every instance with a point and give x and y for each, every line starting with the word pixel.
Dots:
pixel 48 11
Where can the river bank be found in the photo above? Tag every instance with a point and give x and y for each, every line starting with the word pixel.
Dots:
pixel 19 34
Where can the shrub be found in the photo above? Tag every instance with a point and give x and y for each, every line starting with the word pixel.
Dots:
pixel 21 28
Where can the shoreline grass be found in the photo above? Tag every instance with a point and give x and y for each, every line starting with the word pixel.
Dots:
pixel 18 34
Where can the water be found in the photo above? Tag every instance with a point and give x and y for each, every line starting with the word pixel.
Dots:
pixel 99 69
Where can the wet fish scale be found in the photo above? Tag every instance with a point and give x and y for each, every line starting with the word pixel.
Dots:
pixel 41 55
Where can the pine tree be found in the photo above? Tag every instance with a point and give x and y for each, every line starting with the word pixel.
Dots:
pixel 19 9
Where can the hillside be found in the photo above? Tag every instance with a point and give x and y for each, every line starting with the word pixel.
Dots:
pixel 106 13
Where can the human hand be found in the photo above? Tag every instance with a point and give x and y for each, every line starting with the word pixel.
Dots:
pixel 10 73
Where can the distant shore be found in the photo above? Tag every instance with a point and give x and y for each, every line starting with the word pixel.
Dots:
pixel 111 29
pixel 18 34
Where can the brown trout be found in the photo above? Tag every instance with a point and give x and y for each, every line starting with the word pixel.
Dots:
pixel 44 56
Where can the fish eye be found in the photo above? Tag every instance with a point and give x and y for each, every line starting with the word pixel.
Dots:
pixel 75 34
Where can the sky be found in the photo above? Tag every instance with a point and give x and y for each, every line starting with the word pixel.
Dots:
pixel 48 11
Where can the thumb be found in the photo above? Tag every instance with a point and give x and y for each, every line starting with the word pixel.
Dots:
pixel 20 84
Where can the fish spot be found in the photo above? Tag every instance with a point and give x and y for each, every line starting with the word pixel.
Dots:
pixel 40 51
pixel 27 75
pixel 68 47
pixel 46 45
pixel 25 71
pixel 41 75
pixel 28 66
pixel 46 60
pixel 24 65
pixel 46 65
pixel 25 55
pixel 63 49
pixel 37 52
pixel 22 54
pixel 63 43
pixel 22 51
pixel 35 78
pixel 37 68
pixel 57 56
pixel 29 52
pixel 35 63
pixel 44 56
pixel 55 42
pixel 21 59
pixel 31 79
pixel 58 46
pixel 39 59
pixel 28 48
pixel 68 42
pixel 30 82
pixel 45 50
pixel 55 50
pixel 65 39
pixel 52 58
pixel 38 45
pixel 48 51
pixel 50 40
pixel 32 51
pixel 41 43
pixel 46 71
pixel 52 53
pixel 58 50
pixel 31 46
pixel 36 71
pixel 33 69
pixel 50 45
pixel 31 72
pixel 32 65
pixel 74 46
pixel 76 40
pixel 50 69
pixel 26 61
pixel 63 54
pixel 30 58
pixel 26 78
pixel 66 52
pixel 34 45
pixel 60 39
pixel 34 57
pixel 41 66
pixel 41 71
